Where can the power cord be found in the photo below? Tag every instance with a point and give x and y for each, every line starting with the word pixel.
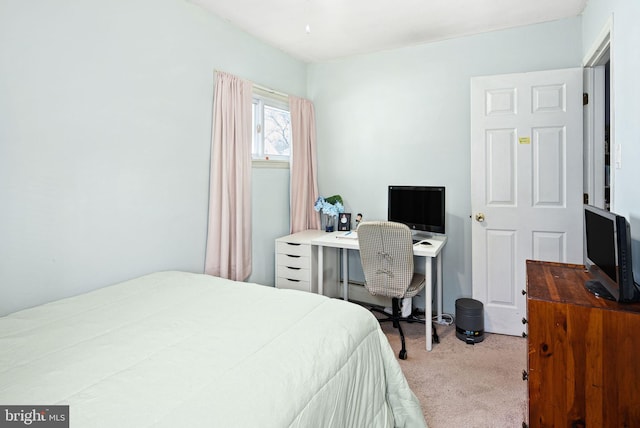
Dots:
pixel 447 319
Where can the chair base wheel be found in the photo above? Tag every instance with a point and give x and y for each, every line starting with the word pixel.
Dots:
pixel 402 355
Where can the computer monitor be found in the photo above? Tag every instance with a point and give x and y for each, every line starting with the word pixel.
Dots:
pixel 608 242
pixel 422 208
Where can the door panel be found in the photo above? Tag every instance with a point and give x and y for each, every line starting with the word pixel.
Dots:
pixel 500 102
pixel 501 159
pixel 549 98
pixel 526 169
pixel 501 247
pixel 548 159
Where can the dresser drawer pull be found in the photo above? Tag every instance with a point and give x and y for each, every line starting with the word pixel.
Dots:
pixel 292 243
pixel 524 321
pixel 525 375
pixel 292 256
pixel 524 334
pixel 293 268
pixel 292 280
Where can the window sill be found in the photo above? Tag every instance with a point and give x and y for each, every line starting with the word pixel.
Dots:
pixel 274 164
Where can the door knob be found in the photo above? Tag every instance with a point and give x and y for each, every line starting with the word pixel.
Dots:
pixel 480 217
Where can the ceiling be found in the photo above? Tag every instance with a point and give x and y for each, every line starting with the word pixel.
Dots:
pixel 341 28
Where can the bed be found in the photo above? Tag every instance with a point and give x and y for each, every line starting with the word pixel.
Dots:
pixel 173 349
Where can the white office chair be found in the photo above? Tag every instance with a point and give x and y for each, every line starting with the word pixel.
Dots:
pixel 386 253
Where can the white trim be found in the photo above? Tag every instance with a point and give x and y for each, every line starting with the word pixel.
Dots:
pixel 598 55
pixel 594 135
pixel 588 180
pixel 598 135
pixel 600 47
pixel 612 121
pixel 274 164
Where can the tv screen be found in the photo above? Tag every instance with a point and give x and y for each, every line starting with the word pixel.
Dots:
pixel 608 256
pixel 421 208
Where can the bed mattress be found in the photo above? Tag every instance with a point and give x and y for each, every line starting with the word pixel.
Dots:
pixel 176 349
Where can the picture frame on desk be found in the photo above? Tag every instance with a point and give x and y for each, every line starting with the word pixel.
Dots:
pixel 344 221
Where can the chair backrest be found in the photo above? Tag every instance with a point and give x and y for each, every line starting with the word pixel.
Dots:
pixel 386 254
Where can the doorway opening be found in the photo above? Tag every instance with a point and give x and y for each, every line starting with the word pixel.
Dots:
pixel 598 118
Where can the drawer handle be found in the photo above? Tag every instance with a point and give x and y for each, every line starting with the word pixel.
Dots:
pixel 294 268
pixel 292 243
pixel 291 255
pixel 525 375
pixel 292 280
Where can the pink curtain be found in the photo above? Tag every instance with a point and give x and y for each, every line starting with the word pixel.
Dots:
pixel 228 253
pixel 304 170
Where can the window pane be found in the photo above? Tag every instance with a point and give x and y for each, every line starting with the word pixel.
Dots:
pixel 277 132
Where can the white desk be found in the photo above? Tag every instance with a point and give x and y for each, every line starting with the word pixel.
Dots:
pixel 333 240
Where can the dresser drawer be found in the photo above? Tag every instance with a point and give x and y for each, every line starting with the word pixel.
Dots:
pixel 293 249
pixel 293 261
pixel 293 285
pixel 293 273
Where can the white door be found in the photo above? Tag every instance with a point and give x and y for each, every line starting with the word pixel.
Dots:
pixel 526 184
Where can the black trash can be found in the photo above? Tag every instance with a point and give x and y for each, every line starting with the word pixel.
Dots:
pixel 469 320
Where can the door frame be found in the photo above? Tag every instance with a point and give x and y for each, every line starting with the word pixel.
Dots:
pixel 594 117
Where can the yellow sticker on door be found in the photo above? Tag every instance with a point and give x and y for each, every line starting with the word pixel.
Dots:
pixel 525 140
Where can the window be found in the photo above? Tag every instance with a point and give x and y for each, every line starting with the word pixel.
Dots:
pixel 271 127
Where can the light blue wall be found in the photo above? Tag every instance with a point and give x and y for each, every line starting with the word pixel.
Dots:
pixel 403 117
pixel 105 128
pixel 270 207
pixel 105 125
pixel 625 90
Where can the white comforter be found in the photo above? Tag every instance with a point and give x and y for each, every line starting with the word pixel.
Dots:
pixel 174 349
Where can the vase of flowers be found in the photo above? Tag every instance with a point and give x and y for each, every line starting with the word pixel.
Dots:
pixel 330 208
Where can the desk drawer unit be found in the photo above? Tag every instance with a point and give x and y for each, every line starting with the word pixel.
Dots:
pixel 294 266
pixel 293 262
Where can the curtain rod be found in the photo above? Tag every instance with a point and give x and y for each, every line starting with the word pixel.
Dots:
pixel 264 88
pixel 271 91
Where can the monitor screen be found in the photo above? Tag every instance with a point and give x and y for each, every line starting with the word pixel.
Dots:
pixel 419 207
pixel 601 242
pixel 608 257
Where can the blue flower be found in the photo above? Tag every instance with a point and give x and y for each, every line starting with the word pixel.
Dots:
pixel 328 208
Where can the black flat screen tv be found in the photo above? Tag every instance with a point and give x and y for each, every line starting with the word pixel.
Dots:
pixel 422 208
pixel 608 255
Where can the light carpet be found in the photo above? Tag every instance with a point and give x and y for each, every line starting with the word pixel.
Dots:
pixel 461 385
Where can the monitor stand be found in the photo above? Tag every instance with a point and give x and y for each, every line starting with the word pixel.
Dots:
pixel 599 290
pixel 420 236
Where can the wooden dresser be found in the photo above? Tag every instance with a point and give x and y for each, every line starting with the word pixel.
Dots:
pixel 584 352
